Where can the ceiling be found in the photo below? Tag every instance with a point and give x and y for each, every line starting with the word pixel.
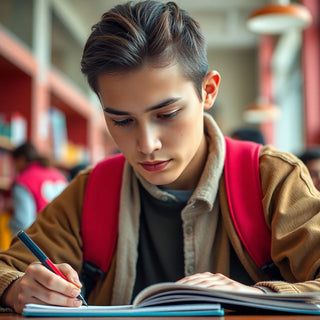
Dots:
pixel 222 21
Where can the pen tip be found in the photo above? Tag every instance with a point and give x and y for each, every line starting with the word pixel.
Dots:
pixel 84 303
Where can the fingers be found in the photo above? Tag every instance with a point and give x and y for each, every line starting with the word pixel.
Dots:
pixel 49 280
pixel 206 279
pixel 70 274
pixel 217 281
pixel 35 292
pixel 40 285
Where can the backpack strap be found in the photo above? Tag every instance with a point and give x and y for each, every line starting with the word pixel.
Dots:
pixel 242 178
pixel 100 219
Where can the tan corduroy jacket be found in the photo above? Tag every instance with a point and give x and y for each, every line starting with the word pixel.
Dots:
pixel 292 211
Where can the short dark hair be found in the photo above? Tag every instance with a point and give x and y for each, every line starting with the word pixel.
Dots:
pixel 30 153
pixel 248 134
pixel 132 35
pixel 312 153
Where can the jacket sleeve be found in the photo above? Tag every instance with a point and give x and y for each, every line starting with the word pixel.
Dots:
pixel 57 231
pixel 292 210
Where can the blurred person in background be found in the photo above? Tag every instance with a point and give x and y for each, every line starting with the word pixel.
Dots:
pixel 35 185
pixel 248 134
pixel 311 158
pixel 77 168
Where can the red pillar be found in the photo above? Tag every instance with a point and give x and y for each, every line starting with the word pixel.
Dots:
pixel 266 91
pixel 311 71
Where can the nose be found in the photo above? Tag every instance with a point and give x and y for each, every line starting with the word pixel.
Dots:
pixel 148 139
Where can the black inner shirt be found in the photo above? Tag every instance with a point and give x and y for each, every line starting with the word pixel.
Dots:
pixel 160 249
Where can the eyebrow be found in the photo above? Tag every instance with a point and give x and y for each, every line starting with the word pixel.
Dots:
pixel 157 106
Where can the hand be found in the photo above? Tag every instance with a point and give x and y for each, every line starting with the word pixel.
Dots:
pixel 217 281
pixel 40 285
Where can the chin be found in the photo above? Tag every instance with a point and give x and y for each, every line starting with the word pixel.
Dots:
pixel 158 180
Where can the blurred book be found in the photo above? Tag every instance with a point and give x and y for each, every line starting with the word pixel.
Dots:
pixel 59 132
pixel 18 129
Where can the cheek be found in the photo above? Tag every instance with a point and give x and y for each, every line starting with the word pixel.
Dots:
pixel 122 141
pixel 117 135
pixel 184 133
pixel 192 126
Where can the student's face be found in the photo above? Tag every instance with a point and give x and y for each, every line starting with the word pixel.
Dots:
pixel 156 119
pixel 314 169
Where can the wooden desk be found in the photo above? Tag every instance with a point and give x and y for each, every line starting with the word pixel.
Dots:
pixel 12 316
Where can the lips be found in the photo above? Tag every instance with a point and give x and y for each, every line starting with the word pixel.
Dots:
pixel 155 165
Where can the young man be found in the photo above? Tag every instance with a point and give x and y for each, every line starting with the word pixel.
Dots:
pixel 147 63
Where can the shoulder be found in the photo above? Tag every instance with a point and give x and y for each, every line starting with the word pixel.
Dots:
pixel 280 162
pixel 284 168
pixel 271 153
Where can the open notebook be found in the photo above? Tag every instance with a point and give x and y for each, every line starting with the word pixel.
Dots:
pixel 172 299
pixel 210 309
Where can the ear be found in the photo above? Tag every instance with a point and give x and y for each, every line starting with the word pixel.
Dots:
pixel 210 88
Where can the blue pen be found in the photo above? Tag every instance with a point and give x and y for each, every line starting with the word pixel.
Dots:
pixel 26 240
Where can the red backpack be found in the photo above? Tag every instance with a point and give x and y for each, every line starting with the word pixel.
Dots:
pixel 101 209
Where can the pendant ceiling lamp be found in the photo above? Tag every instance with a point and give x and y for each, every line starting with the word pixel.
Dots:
pixel 279 17
pixel 261 112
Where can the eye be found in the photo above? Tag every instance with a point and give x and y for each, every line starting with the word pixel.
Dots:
pixel 121 123
pixel 168 115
